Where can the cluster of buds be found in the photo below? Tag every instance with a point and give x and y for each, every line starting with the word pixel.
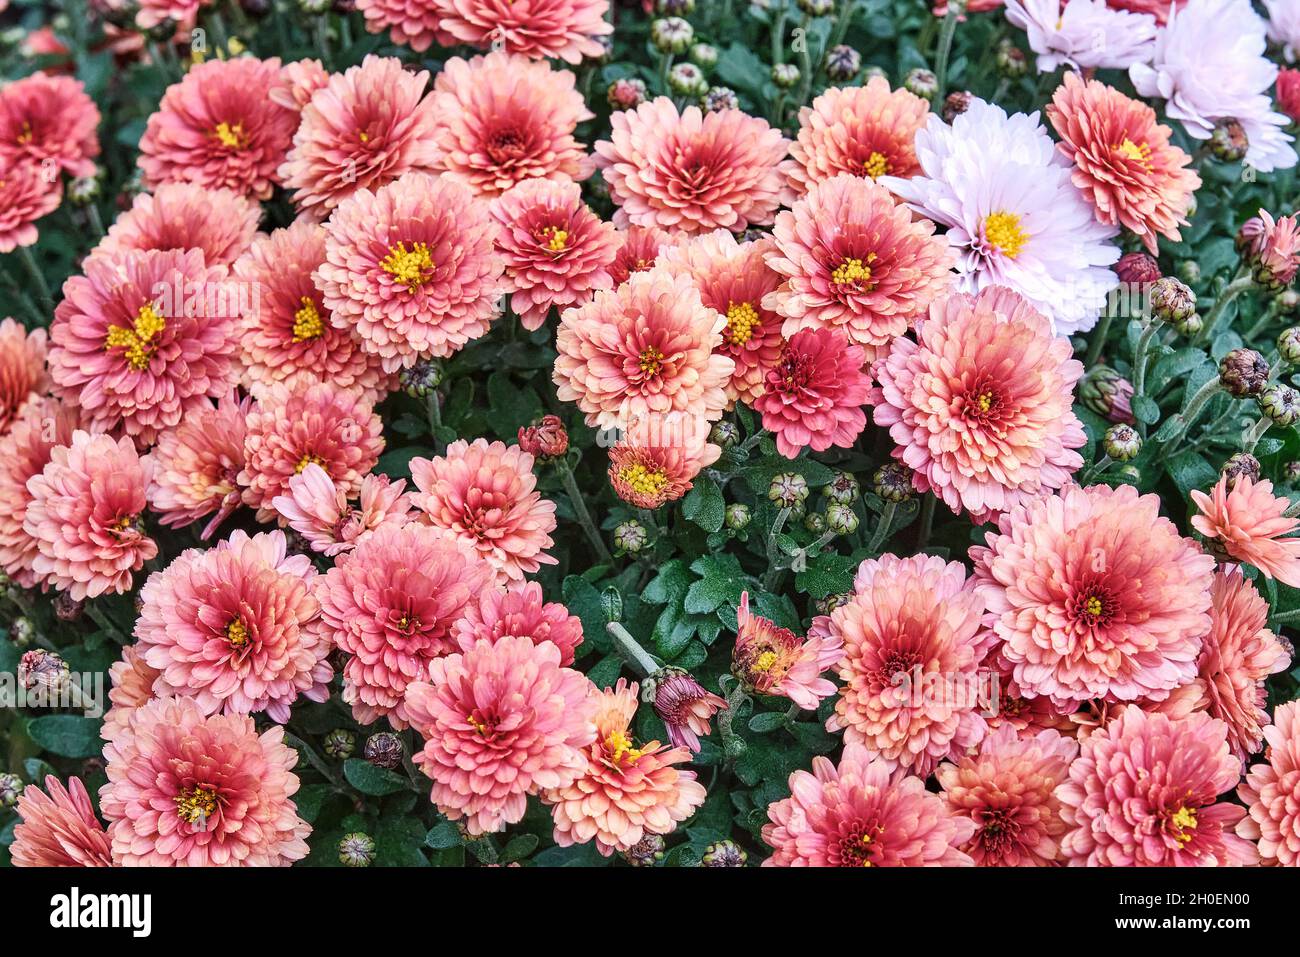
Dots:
pixel 545 439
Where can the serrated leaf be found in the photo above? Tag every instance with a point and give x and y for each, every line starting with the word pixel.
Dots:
pixel 444 835
pixel 1145 408
pixel 368 779
pixel 703 504
pixel 766 721
pixel 67 735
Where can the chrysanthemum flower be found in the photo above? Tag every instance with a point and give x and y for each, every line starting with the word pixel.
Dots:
pixel 390 605
pixel 1143 793
pixel 502 720
pixel 1271 791
pixel 49 118
pixel 318 509
pixel 42 426
pixel 299 81
pixel 979 406
pixel 183 14
pixel 22 369
pixel 1248 523
pixel 519 611
pixel 855 260
pixel 197 465
pixel 775 661
pixel 411 269
pixel 813 396
pixel 861 814
pixel 219 127
pixel 1015 218
pixel 1160 9
pixel 503 119
pixel 683 706
pixel 565 30
pixel 368 126
pixel 485 495
pixel 1123 160
pixel 291 428
pixel 59 829
pixel 1271 248
pixel 557 251
pixel 692 171
pixel 26 195
pixel 625 792
pixel 412 25
pixel 183 216
pixel 187 789
pixel 85 516
pixel 1095 595
pixel 645 347
pixel 1083 34
pixel 861 130
pixel 132 680
pixel 639 251
pixel 658 457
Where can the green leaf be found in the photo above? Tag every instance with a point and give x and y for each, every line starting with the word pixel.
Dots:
pixel 669 585
pixel 1190 470
pixel 703 504
pixel 584 601
pixel 829 574
pixel 396 463
pixel 519 848
pixel 368 779
pixel 766 721
pixel 444 835
pixel 1145 409
pixel 67 735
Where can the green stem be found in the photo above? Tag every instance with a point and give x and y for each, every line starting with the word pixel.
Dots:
pixel 882 528
pixel 665 66
pixel 433 406
pixel 580 510
pixel 104 622
pixel 1140 363
pixel 1098 467
pixel 631 649
pixel 1231 291
pixel 1252 437
pixel 926 522
pixel 731 744
pixel 315 760
pixel 773 568
pixel 843 20
pixel 96 223
pixel 38 277
pixel 778 38
pixel 945 51
pixel 1098 341
pixel 1191 411
pixel 805 67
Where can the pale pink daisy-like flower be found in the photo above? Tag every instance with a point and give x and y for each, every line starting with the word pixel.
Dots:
pixel 980 405
pixel 855 260
pixel 565 30
pixel 519 611
pixel 775 661
pixel 131 679
pixel 299 81
pixel 319 510
pixel 1271 792
pixel 1083 34
pixel 187 789
pixel 1095 595
pixel 183 216
pixel 1007 790
pixel 485 495
pixel 412 269
pixel 45 118
pixel 502 720
pixel 22 369
pixel 639 252
pixel 861 813
pixel 86 516
pixel 183 13
pixel 59 828
pixel 42 426
pixel 645 347
pixel 219 127
pixel 503 119
pixel 366 127
pixel 557 251
pixel 141 338
pixel 197 465
pixel 692 171
pixel 1249 523
pixel 390 605
pixel 658 457
pixel 625 792
pixel 26 195
pixel 1143 793
pixel 310 422
pixel 813 396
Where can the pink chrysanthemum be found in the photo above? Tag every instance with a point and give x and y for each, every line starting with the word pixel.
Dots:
pixel 1095 595
pixel 505 119
pixel 390 605
pixel 692 171
pixel 861 814
pixel 289 336
pixel 861 130
pixel 49 118
pixel 318 509
pixel 26 194
pixel 1248 523
pixel 813 396
pixel 557 251
pixel 683 705
pixel 625 792
pixel 59 829
pixel 1271 247
pixel 141 338
pixel 485 495
pixel 1007 791
pixel 639 252
pixel 502 720
pixel 298 83
pixel 219 127
pixel 658 458
pixel 42 426
pixel 1143 793
pixel 643 348
pixel 22 369
pixel 912 649
pixel 519 611
pixel 979 406
pixel 857 260
pixel 367 127
pixel 411 269
pixel 187 789
pixel 86 516
pixel 1271 792
pixel 291 428
pixel 132 681
pixel 565 30
pixel 197 465
pixel 183 14
pixel 183 216
pixel 775 661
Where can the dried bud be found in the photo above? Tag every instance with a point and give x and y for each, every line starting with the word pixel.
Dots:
pixel 11 789
pixel 383 750
pixel 1122 443
pixel 672 35
pixel 1172 300
pixel 921 82
pixel 721 98
pixel 67 608
pixel 893 482
pixel 785 75
pixel 788 489
pixel 627 93
pixel 1281 403
pixel 844 489
pixel 724 433
pixel 630 537
pixel 340 743
pixel 1228 141
pixel 724 854
pixel 1288 345
pixel 646 852
pixel 841 519
pixel 1243 372
pixel 1243 463
pixel 738 516
pixel 546 439
pixel 356 849
pixel 1107 393
pixel 683 705
pixel 955 104
pixel 1137 268
pixel 843 63
pixel 422 378
pixel 42 670
pixel 1011 60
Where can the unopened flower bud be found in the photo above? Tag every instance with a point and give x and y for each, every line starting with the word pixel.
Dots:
pixel 340 743
pixel 1121 442
pixel 422 378
pixel 546 439
pixel 1291 472
pixel 1288 345
pixel 646 852
pixel 84 190
pixel 11 789
pixel 724 854
pixel 630 537
pixel 815 522
pixel 22 632
pixel 674 8
pixel 314 7
pixel 687 79
pixel 1281 403
pixel 1172 300
pixel 721 98
pixel 841 519
pixel 843 63
pixel 356 850
pixel 1011 60
pixel 844 489
pixel 955 104
pixel 67 608
pixel 824 606
pixel 871 71
pixel 383 750
pixel 704 54
pixel 1189 326
pixel 817 8
pixel 1243 463
pixel 893 482
pixel 738 516
pixel 785 75
pixel 1137 268
pixel 1189 271
pixel 724 433
pixel 1243 372
pixel 1107 393
pixel 43 670
pixel 627 93
pixel 1228 141
pixel 787 489
pixel 672 35
pixel 921 82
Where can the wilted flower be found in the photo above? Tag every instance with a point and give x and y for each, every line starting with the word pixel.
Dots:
pixel 683 705
pixel 772 660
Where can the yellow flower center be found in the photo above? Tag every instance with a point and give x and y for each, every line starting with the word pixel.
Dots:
pixel 1002 231
pixel 479 724
pixel 620 747
pixel 985 401
pixel 363 136
pixel 138 342
pixel 876 165
pixel 742 320
pixel 1184 820
pixel 555 238
pixel 765 661
pixel 195 805
pixel 853 271
pixel 1093 606
pixel 651 360
pixel 307 323
pixel 644 481
pixel 307 460
pixel 410 267
pixel 231 137
pixel 25 136
pixel 237 633
pixel 1138 152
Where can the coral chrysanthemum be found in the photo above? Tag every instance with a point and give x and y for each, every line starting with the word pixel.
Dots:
pixel 1143 793
pixel 519 611
pixel 625 792
pixel 1271 792
pixel 658 458
pixel 197 465
pixel 775 661
pixel 59 828
pixel 183 216
pixel 861 814
pixel 86 516
pixel 639 251
pixel 183 14
pixel 1095 595
pixel 49 118
pixel 979 406
pixel 1248 523
pixel 219 127
pixel 187 789
pixel 42 426
pixel 565 30
pixel 22 369
pixel 1271 247
pixel 485 495
pixel 26 194
pixel 132 682
pixel 390 605
pixel 692 171
pixel 316 508
pixel 502 720
pixel 299 81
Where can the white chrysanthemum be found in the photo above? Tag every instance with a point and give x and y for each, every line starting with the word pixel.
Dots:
pixel 1015 219
pixel 1284 25
pixel 1087 33
pixel 1209 65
